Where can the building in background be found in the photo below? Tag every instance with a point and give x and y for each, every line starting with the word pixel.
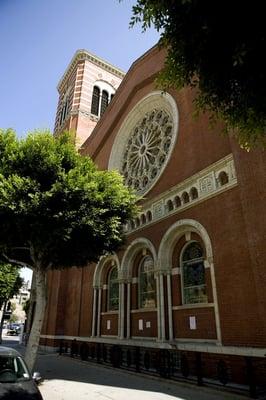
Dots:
pixel 19 302
pixel 186 296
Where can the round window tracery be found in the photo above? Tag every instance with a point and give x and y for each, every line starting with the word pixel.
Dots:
pixel 147 149
pixel 145 140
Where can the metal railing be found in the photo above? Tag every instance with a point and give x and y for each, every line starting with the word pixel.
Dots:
pixel 193 367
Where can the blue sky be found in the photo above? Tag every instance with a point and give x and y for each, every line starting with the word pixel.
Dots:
pixel 38 40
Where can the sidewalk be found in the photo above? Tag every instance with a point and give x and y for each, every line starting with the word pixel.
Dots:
pixel 67 379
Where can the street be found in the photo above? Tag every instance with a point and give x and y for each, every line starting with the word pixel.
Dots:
pixel 67 379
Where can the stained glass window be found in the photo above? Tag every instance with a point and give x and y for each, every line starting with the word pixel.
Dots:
pixel 193 274
pixel 147 149
pixel 147 284
pixel 113 290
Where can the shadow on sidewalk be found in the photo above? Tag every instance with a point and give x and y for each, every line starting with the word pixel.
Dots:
pixel 63 368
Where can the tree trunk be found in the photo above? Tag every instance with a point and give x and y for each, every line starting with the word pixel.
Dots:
pixel 33 342
pixel 30 312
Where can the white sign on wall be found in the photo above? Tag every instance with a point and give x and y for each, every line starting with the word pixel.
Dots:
pixel 192 323
pixel 108 324
pixel 140 324
pixel 148 324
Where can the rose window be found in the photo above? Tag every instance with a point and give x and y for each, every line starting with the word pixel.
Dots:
pixel 147 150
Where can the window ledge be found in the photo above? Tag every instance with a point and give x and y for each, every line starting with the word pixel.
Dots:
pixel 94 117
pixel 197 305
pixel 141 310
pixel 109 312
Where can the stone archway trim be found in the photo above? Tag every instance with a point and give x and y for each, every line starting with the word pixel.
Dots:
pixel 97 277
pixel 167 244
pixel 133 248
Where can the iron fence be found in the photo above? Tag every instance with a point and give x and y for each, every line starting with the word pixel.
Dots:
pixel 192 367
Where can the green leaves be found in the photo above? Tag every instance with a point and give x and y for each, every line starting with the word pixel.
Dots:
pixel 10 281
pixel 56 203
pixel 8 150
pixel 217 47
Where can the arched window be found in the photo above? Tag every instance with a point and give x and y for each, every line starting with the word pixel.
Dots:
pixel 61 118
pixel 63 112
pixel 193 193
pixel 64 108
pixel 193 274
pixel 137 222
pixel 104 102
pixel 143 219
pixel 177 201
pixel 223 178
pixel 95 100
pixel 147 284
pixel 132 224
pixel 113 290
pixel 149 216
pixel 169 205
pixel 185 197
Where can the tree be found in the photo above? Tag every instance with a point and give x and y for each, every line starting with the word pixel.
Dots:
pixel 10 283
pixel 57 210
pixel 217 47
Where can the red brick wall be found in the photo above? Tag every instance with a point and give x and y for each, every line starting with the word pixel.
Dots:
pixel 222 217
pixel 50 319
pixel 113 318
pixel 87 302
pixel 251 174
pixel 205 323
pixel 146 317
pixel 235 221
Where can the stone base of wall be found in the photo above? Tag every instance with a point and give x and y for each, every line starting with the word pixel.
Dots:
pixel 48 349
pixel 239 374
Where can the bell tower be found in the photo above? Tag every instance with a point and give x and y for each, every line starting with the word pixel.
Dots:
pixel 85 90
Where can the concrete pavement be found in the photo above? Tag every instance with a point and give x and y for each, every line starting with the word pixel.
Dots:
pixel 67 379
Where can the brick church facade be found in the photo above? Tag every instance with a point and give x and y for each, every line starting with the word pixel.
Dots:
pixel 186 295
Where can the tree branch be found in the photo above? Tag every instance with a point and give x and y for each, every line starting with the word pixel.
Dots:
pixel 17 262
pixel 20 248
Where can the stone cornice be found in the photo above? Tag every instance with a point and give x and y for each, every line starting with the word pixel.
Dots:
pixel 82 55
pixel 81 111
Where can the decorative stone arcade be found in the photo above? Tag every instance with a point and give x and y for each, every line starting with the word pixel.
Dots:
pixel 130 314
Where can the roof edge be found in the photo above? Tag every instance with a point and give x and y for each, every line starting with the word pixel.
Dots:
pixel 83 54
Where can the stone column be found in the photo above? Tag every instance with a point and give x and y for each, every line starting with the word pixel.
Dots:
pixel 94 312
pixel 122 309
pixel 128 308
pixel 119 312
pixel 158 297
pixel 170 312
pixel 99 312
pixel 162 306
pixel 209 263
